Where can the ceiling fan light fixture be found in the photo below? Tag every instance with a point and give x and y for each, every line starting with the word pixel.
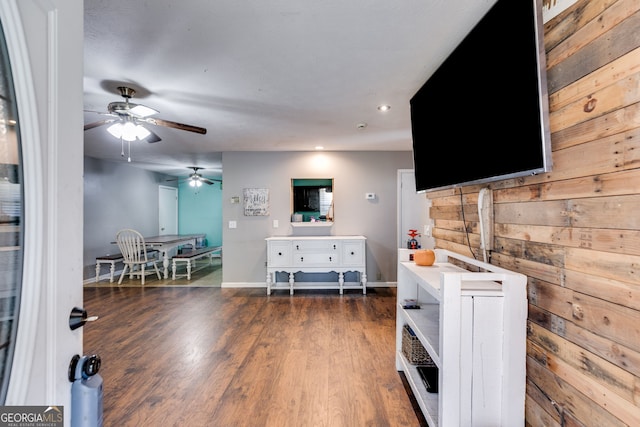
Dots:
pixel 115 130
pixel 141 132
pixel 128 131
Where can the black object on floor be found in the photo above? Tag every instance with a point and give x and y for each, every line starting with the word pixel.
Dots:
pixel 429 375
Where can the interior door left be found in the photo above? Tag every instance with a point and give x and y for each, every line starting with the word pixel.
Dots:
pixel 168 210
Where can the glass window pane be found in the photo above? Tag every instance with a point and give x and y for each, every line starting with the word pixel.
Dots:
pixel 11 214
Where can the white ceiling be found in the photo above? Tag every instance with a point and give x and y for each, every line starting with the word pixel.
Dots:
pixel 280 75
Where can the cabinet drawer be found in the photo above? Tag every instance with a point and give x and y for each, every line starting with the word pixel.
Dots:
pixel 279 254
pixel 316 260
pixel 353 253
pixel 326 246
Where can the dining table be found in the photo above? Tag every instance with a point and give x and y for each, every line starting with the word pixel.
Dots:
pixel 166 242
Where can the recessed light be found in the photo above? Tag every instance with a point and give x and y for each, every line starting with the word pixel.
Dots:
pixel 384 107
pixel 361 125
pixel 319 147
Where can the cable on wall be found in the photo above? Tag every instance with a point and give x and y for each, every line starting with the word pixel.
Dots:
pixel 485 214
pixel 464 225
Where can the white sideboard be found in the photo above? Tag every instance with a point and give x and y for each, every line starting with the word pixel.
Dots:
pixel 473 326
pixel 316 254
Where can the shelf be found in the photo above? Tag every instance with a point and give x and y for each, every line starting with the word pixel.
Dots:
pixel 471 282
pixel 425 323
pixel 317 224
pixel 316 285
pixel 428 402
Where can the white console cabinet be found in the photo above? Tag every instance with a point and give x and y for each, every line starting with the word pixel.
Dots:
pixel 473 326
pixel 316 254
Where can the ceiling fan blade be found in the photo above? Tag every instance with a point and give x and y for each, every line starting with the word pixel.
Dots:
pixel 207 181
pixel 102 113
pixel 175 125
pixel 152 137
pixel 98 123
pixel 130 109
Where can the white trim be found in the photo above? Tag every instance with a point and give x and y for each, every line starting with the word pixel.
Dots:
pixel 53 218
pixel 264 285
pixel 400 233
pixel 32 278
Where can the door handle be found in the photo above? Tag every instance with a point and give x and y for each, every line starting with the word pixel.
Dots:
pixel 78 317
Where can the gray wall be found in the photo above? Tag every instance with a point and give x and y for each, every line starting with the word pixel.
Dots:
pixel 119 195
pixel 354 174
pixel 116 195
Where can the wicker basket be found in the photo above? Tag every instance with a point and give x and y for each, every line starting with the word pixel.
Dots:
pixel 413 349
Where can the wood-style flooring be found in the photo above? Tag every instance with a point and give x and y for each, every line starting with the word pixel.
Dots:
pixel 235 357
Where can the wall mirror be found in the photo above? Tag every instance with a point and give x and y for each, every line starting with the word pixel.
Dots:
pixel 312 200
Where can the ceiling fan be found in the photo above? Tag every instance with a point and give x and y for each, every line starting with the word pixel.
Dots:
pixel 196 180
pixel 127 121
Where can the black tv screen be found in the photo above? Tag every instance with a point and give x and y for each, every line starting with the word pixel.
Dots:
pixel 482 115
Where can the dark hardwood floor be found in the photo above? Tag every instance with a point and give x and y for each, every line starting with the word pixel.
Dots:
pixel 236 357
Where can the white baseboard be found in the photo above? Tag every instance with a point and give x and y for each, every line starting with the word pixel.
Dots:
pixel 264 285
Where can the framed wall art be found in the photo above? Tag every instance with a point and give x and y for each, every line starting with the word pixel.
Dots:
pixel 256 201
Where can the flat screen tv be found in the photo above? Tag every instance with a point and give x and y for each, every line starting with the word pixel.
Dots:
pixel 482 116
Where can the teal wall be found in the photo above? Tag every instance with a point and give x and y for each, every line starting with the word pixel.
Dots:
pixel 200 211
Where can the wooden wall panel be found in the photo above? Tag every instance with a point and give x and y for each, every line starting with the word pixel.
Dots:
pixel 616 42
pixel 574 231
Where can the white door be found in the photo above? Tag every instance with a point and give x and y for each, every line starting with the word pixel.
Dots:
pixel 44 45
pixel 168 210
pixel 413 211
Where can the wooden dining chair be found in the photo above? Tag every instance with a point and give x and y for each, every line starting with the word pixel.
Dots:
pixel 134 254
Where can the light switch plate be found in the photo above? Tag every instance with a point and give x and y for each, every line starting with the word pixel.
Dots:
pixel 233 224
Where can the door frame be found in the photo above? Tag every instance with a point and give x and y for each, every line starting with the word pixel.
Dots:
pixel 408 198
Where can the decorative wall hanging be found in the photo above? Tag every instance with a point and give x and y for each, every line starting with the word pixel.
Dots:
pixel 256 201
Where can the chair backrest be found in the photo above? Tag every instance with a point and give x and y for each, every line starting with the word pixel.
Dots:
pixel 131 245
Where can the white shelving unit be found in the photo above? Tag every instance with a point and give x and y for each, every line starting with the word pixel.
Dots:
pixel 473 325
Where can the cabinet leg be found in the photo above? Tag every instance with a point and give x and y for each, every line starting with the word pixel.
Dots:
pixel 268 283
pixel 291 281
pixel 97 272
pixel 341 281
pixel 363 279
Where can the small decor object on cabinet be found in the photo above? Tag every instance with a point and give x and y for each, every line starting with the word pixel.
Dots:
pixel 424 257
pixel 256 201
pixel 413 243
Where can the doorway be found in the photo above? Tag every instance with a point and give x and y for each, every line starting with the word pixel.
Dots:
pixel 167 210
pixel 413 211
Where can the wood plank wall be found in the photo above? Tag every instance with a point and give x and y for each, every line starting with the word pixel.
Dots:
pixel 575 232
